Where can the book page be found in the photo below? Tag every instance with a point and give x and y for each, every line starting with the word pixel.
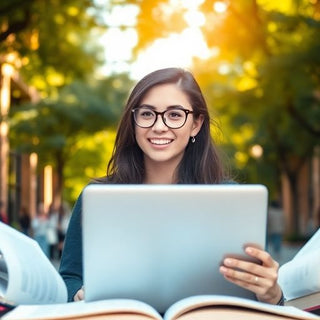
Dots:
pixel 82 308
pixel 26 275
pixel 186 305
pixel 3 275
pixel 227 313
pixel 301 275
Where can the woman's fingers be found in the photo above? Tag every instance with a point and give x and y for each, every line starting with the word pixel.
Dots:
pixel 79 295
pixel 258 278
pixel 262 256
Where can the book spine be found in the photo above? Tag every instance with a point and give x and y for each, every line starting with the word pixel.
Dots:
pixel 313 308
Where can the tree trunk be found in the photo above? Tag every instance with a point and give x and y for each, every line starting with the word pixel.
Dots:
pixel 294 199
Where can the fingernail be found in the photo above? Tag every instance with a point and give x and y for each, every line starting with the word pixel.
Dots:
pixel 223 269
pixel 228 262
pixel 249 250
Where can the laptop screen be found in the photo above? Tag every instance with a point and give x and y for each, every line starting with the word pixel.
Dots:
pixel 162 243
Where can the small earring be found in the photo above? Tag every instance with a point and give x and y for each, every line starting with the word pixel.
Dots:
pixel 193 139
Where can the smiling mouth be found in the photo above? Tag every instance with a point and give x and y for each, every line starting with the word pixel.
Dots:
pixel 160 141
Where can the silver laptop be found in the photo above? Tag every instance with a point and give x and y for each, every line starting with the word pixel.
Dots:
pixel 162 243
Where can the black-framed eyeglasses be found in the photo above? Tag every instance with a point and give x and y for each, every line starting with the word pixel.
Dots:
pixel 174 118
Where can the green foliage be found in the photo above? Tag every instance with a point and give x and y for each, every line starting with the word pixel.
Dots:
pixel 87 160
pixel 269 95
pixel 54 128
pixel 52 40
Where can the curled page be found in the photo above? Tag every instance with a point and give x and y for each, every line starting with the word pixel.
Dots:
pixel 26 274
pixel 300 276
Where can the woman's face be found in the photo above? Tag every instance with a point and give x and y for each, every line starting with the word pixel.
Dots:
pixel 160 143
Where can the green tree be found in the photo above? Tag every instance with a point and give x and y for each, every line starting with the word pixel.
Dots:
pixel 52 128
pixel 271 89
pixel 52 41
pixel 262 82
pixel 54 46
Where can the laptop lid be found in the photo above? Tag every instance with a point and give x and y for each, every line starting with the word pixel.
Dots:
pixel 162 243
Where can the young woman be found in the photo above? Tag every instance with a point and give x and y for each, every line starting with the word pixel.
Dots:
pixel 164 138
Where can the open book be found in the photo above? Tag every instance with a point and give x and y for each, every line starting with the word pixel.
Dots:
pixel 29 281
pixel 300 277
pixel 193 308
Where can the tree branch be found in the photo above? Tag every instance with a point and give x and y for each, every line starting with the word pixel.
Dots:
pixel 16 27
pixel 11 6
pixel 250 26
pixel 302 120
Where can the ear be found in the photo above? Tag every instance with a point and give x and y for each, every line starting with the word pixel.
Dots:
pixel 197 124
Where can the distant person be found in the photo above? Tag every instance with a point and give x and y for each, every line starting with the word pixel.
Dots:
pixel 64 219
pixel 25 221
pixel 164 138
pixel 3 215
pixel 275 227
pixel 39 226
pixel 52 231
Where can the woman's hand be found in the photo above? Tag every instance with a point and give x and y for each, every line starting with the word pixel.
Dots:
pixel 79 295
pixel 258 278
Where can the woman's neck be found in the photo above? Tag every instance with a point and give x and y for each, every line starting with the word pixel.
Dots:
pixel 160 173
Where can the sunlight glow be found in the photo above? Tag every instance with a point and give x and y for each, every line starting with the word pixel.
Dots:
pixel 177 50
pixel 118 44
pixel 224 68
pixel 194 18
pixel 47 185
pixel 122 16
pixel 256 151
pixel 220 6
pixel 190 4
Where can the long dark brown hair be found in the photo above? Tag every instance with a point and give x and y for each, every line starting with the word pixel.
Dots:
pixel 200 164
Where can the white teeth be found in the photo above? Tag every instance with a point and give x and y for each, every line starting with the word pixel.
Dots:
pixel 160 141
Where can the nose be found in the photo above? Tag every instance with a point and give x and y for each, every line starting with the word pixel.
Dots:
pixel 159 125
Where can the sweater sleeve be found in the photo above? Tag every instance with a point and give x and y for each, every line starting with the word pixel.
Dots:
pixel 71 260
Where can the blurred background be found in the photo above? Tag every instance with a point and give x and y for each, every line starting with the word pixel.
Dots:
pixel 67 67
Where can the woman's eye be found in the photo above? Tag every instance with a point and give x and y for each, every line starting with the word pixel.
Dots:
pixel 146 114
pixel 175 115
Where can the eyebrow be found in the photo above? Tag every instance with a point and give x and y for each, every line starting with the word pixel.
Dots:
pixel 175 106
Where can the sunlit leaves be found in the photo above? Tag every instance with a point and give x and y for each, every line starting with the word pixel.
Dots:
pixel 61 128
pixel 88 158
pixel 238 30
pixel 52 38
pixel 262 70
pixel 73 11
pixel 157 19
